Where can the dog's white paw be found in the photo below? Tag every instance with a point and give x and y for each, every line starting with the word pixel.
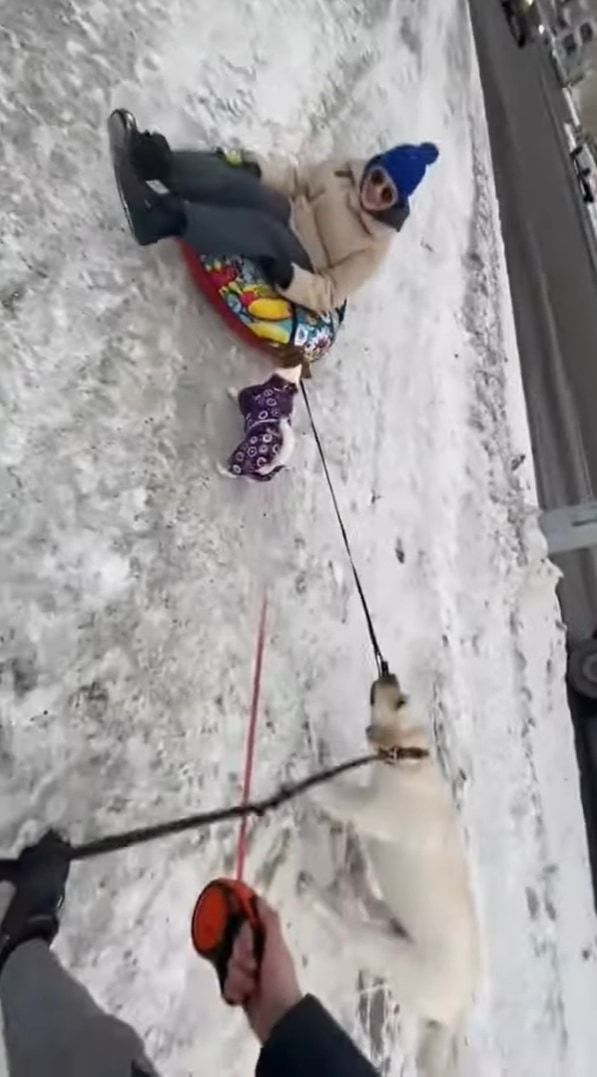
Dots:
pixel 232 393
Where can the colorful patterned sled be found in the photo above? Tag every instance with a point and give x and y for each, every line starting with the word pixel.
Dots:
pixel 255 312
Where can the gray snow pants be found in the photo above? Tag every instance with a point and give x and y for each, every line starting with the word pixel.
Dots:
pixel 230 211
pixel 53 1028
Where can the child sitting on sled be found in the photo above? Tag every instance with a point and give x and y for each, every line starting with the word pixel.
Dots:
pixel 319 232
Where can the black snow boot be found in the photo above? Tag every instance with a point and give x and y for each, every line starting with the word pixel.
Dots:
pixel 151 216
pixel 151 156
pixel 38 879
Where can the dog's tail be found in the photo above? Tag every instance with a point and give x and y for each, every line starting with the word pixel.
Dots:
pixel 437 1050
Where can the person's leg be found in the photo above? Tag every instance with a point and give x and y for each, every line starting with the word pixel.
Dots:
pixel 53 1028
pixel 225 231
pixel 202 177
pixel 219 209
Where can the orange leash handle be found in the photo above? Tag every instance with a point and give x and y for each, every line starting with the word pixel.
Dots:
pixel 220 912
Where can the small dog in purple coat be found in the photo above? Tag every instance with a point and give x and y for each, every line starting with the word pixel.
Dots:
pixel 269 439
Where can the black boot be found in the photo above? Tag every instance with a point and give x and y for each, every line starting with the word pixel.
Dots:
pixel 39 879
pixel 151 216
pixel 151 156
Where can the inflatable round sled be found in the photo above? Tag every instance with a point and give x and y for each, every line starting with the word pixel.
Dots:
pixel 263 319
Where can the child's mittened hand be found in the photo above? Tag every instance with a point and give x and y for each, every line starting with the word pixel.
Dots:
pixel 279 271
pixel 238 158
pixel 267 991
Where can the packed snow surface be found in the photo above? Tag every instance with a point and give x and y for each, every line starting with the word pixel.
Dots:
pixel 133 574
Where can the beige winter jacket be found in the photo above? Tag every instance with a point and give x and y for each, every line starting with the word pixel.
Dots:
pixel 345 244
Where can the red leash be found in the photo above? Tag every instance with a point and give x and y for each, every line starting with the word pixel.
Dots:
pixel 241 852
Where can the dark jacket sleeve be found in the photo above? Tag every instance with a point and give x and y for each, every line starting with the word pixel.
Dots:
pixel 307 1042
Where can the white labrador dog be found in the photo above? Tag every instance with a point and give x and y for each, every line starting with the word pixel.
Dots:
pixel 409 829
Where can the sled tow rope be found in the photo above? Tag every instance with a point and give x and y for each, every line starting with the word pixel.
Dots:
pixel 382 666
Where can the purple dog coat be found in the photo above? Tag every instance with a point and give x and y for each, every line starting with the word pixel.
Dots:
pixel 262 408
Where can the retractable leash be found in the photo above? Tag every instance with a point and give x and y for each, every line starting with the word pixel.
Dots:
pixel 220 912
pixel 225 905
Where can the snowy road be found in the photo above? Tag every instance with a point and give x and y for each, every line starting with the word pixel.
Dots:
pixel 552 269
pixel 132 575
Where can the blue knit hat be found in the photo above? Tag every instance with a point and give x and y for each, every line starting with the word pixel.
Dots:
pixel 406 165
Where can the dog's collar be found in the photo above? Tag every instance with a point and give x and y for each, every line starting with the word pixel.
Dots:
pixel 395 755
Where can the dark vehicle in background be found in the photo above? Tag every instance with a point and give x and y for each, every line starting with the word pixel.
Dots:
pixel 524 19
pixel 582 670
pixel 585 169
pixel 582 698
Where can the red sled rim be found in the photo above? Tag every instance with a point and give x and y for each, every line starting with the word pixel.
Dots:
pixel 205 284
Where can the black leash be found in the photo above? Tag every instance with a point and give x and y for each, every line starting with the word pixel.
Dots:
pixel 112 843
pixel 382 666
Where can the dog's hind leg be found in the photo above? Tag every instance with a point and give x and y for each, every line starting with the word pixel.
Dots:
pixel 394 959
pixel 384 953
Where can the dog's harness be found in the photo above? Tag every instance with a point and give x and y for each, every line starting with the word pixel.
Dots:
pixel 395 755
